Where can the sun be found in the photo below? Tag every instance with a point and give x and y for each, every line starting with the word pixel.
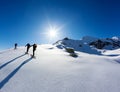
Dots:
pixel 52 32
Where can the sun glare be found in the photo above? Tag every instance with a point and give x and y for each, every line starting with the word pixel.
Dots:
pixel 52 32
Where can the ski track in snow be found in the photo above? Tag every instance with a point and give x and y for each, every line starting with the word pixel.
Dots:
pixel 54 70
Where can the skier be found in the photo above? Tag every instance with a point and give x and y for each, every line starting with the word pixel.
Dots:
pixel 28 47
pixel 34 49
pixel 15 46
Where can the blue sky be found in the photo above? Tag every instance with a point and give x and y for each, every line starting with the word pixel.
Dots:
pixel 24 21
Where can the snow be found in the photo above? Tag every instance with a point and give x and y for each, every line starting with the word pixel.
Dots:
pixel 116 38
pixel 87 44
pixel 78 45
pixel 54 70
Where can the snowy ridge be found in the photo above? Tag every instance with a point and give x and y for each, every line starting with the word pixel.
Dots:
pixel 90 44
pixel 54 70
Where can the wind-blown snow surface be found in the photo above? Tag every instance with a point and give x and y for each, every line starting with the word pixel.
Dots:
pixel 54 70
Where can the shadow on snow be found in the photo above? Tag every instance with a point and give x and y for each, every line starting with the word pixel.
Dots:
pixel 4 81
pixel 10 61
pixel 118 61
pixel 112 55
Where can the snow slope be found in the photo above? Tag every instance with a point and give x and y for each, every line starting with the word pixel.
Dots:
pixel 54 70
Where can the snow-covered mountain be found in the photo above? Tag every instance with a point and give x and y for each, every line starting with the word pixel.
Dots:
pixel 54 70
pixel 90 44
